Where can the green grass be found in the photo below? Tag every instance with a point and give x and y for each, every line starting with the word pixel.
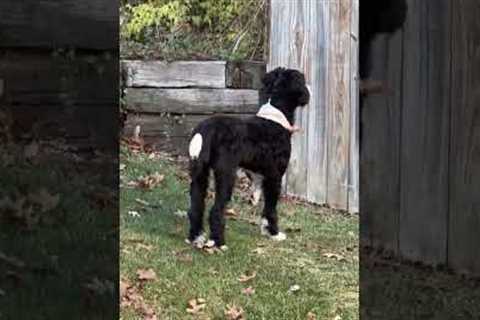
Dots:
pixel 155 239
pixel 57 253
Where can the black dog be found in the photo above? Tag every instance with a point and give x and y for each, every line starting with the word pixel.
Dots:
pixel 260 144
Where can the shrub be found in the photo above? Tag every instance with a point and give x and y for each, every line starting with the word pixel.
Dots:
pixel 199 29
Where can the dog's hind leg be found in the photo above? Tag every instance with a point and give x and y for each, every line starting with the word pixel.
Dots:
pixel 224 182
pixel 269 223
pixel 198 192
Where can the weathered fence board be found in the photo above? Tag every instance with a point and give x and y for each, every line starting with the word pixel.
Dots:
pixel 425 136
pixel 314 36
pixel 354 161
pixel 380 168
pixel 191 100
pixel 464 217
pixel 177 74
pixel 87 24
pixel 338 115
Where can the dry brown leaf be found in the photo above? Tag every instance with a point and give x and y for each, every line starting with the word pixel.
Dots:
pixel 15 262
pixel 151 181
pixel 335 256
pixel 46 200
pixel 31 150
pixel 144 246
pixel 247 277
pixel 248 291
pixel 234 313
pixel 146 274
pixel 258 250
pixel 311 316
pixel 231 213
pixel 196 306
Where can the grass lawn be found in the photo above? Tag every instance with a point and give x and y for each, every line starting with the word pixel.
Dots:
pixel 311 275
pixel 58 235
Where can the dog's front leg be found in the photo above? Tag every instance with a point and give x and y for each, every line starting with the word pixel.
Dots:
pixel 269 223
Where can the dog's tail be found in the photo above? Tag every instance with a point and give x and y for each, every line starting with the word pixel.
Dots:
pixel 199 149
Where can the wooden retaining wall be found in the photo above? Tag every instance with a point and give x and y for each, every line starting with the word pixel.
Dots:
pixel 168 100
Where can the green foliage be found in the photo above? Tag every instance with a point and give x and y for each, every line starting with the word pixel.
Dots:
pixel 193 29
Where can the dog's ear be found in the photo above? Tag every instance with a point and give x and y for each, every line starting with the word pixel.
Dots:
pixel 271 79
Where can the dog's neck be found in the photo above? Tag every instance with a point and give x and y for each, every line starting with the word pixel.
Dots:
pixel 272 113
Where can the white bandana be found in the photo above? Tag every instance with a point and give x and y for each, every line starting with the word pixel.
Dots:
pixel 269 112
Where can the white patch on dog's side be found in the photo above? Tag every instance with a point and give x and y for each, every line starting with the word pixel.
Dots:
pixel 279 237
pixel 263 227
pixel 195 146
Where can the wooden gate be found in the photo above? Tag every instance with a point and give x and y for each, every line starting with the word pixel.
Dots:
pixel 320 38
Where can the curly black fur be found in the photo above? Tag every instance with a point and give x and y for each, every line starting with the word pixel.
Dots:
pixel 255 144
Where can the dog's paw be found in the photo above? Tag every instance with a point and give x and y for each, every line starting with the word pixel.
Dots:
pixel 264 227
pixel 279 237
pixel 198 242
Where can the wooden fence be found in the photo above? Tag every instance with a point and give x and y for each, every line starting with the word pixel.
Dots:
pixel 420 172
pixel 320 38
pixel 167 100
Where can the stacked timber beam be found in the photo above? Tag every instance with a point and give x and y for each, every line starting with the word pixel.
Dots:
pixel 168 99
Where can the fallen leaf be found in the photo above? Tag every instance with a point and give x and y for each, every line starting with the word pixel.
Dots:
pixel 196 306
pixel 247 277
pixel 31 150
pixel 144 246
pixel 311 316
pixel 180 213
pixel 142 202
pixel 294 288
pixel 335 256
pixel 124 285
pixel 134 213
pixel 258 250
pixel 231 213
pixel 151 181
pixel 15 262
pixel 234 313
pixel 146 274
pixel 248 291
pixel 46 200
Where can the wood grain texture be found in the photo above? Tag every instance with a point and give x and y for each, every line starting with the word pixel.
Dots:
pixel 338 113
pixel 88 24
pixel 42 78
pixel 314 36
pixel 191 100
pixel 245 74
pixel 354 153
pixel 464 217
pixel 178 74
pixel 316 122
pixel 425 136
pixel 380 152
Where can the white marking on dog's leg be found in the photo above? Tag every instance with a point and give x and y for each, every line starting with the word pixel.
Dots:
pixel 264 227
pixel 257 189
pixel 198 242
pixel 210 243
pixel 195 146
pixel 279 237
